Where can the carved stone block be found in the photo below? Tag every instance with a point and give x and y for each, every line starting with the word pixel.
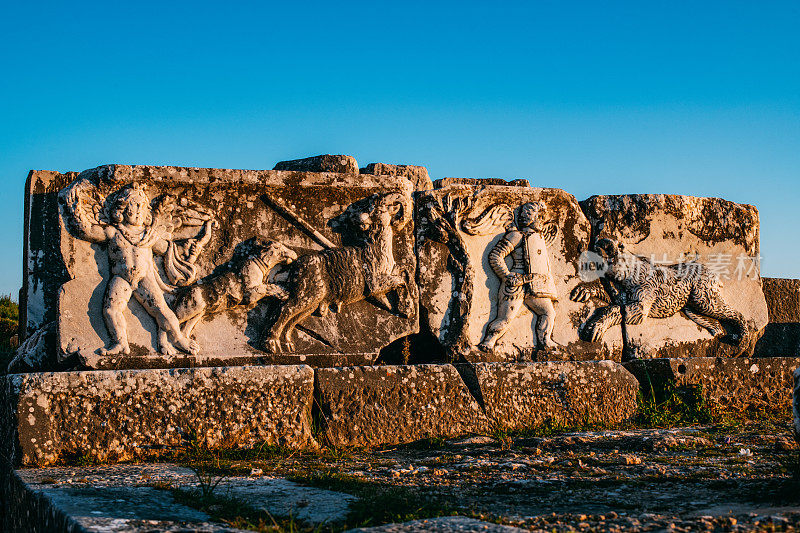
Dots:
pixel 782 334
pixel 496 268
pixel 341 164
pixel 148 267
pixel 121 415
pixel 418 176
pixel 796 405
pixel 685 272
pixel 382 405
pixel 727 384
pixel 566 394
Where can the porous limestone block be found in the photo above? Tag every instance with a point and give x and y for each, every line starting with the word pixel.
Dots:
pixel 215 267
pixel 417 175
pixel 721 236
pixel 121 415
pixel 727 384
pixel 796 405
pixel 383 405
pixel 459 227
pixel 566 394
pixel 782 334
pixel 342 164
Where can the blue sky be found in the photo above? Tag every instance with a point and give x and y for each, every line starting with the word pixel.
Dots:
pixel 699 98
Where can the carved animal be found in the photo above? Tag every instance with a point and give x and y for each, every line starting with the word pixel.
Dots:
pixel 241 282
pixel 655 291
pixel 327 280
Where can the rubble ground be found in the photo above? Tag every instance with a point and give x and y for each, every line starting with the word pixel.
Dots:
pixel 719 477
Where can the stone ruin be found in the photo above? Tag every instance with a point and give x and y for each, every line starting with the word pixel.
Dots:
pixel 323 302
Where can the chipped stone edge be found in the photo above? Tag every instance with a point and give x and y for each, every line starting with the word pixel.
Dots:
pixel 28 510
pixel 796 405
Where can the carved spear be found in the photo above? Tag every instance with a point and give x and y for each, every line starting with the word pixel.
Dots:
pixel 293 217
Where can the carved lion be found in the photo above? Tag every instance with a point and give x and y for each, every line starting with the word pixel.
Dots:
pixel 241 282
pixel 656 291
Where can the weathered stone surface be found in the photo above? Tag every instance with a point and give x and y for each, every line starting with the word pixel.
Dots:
pixel 782 333
pixel 796 405
pixel 418 176
pixel 133 498
pixel 524 396
pixel 382 405
pixel 283 498
pixel 342 164
pixel 446 182
pixel 727 384
pixel 445 524
pixel 213 267
pixel 121 415
pixel 465 234
pixel 73 499
pixel 697 256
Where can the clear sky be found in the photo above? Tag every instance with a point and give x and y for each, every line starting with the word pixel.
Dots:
pixel 698 98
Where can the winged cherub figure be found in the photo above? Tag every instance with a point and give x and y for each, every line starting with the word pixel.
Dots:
pixel 133 228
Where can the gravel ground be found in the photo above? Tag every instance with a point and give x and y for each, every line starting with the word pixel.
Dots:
pixel 710 478
pixel 737 478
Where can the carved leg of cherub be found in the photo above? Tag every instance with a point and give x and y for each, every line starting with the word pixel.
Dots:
pixel 508 307
pixel 546 313
pixel 602 319
pixel 149 294
pixel 118 294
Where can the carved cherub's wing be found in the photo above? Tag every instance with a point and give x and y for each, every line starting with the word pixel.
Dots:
pixel 498 216
pixel 549 232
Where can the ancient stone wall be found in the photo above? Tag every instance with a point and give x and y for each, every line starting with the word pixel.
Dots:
pixel 263 305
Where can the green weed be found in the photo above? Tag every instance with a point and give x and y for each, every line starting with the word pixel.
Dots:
pixel 673 406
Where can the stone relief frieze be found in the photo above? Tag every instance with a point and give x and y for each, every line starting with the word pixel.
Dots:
pixel 671 285
pixel 497 264
pixel 268 270
pixel 636 290
pixel 133 228
pixel 148 266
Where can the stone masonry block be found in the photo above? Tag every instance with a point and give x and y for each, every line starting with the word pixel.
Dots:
pixel 523 396
pixel 727 384
pixel 796 405
pixel 782 334
pixel 383 405
pixel 417 175
pixel 120 415
pixel 676 254
pixel 161 267
pixel 343 164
